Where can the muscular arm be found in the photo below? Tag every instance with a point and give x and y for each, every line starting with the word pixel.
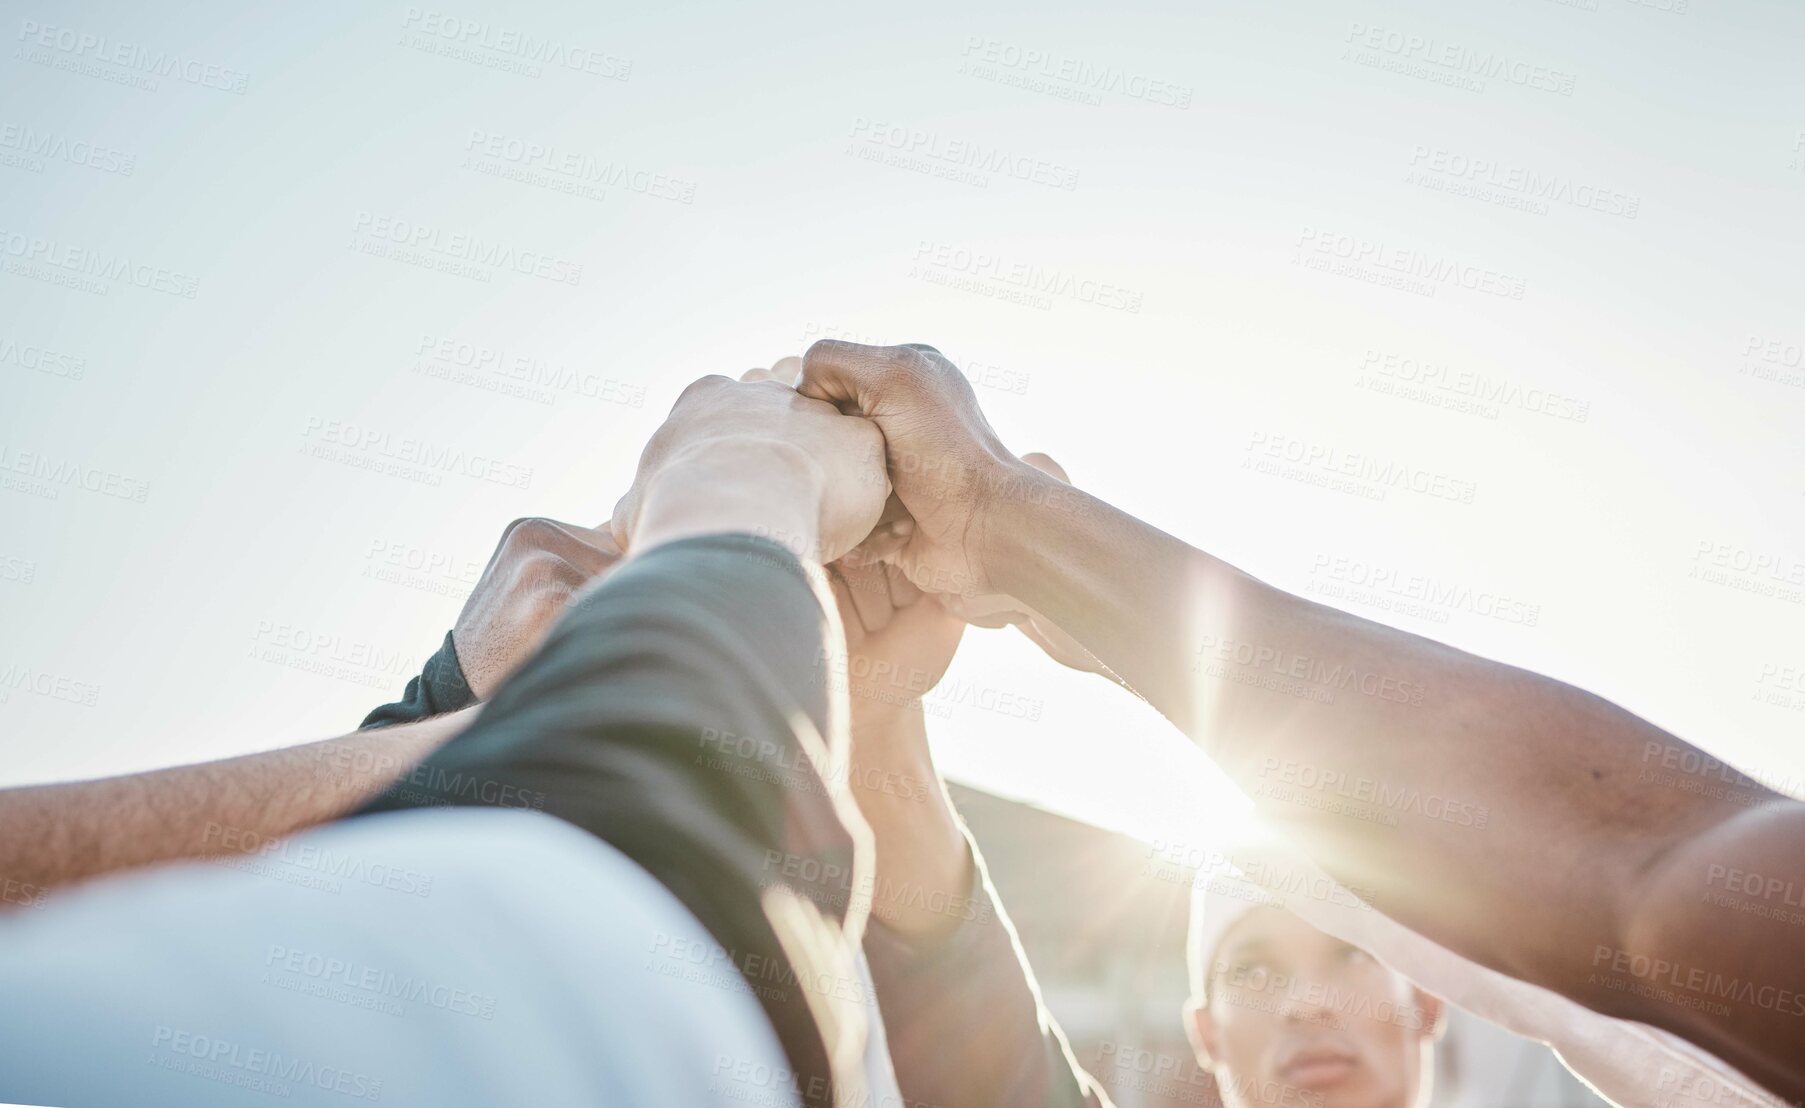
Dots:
pixel 53 835
pixel 1537 827
pixel 1517 820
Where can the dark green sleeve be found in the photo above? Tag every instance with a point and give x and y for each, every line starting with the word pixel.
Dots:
pixel 440 688
pixel 679 712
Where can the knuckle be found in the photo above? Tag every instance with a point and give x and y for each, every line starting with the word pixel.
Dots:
pixel 528 533
pixel 831 349
pixel 703 386
pixel 541 572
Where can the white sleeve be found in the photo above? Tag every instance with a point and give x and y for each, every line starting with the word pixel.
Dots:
pixel 448 957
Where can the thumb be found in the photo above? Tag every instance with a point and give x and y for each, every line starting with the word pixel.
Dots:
pixel 841 373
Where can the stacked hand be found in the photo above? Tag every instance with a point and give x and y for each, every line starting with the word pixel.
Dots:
pixel 946 464
pixel 535 570
pixel 756 457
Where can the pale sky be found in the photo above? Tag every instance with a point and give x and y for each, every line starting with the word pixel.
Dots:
pixel 1596 210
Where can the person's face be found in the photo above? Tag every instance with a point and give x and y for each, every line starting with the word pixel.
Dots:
pixel 1297 1018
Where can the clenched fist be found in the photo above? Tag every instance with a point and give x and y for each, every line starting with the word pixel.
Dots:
pixel 756 457
pixel 532 575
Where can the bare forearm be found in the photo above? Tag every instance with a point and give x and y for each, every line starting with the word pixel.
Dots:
pixel 923 871
pixel 53 835
pixel 1514 818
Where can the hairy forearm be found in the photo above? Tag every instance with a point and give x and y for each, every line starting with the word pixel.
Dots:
pixel 53 835
pixel 1516 819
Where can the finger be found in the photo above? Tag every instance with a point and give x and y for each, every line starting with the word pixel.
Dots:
pixel 1047 466
pixel 841 373
pixel 903 593
pixel 870 591
pixel 849 615
pixel 590 550
pixel 894 513
pixel 894 526
pixel 924 631
pixel 787 370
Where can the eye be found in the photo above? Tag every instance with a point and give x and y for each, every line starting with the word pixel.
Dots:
pixel 1354 956
pixel 1250 973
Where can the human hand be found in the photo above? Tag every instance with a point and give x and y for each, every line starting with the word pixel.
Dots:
pixel 899 643
pixel 944 459
pixel 760 458
pixel 536 568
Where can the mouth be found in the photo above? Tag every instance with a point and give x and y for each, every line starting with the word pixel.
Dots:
pixel 1317 1067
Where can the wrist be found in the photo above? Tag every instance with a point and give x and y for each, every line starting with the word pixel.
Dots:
pixel 1016 497
pixel 769 489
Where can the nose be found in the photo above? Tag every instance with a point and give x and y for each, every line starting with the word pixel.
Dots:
pixel 1310 1000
